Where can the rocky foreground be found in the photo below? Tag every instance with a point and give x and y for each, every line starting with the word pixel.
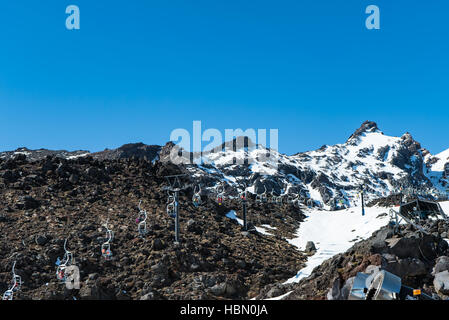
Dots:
pixel 44 202
pixel 421 261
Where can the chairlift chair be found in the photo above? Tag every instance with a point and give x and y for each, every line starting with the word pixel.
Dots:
pixel 106 247
pixel 171 210
pixel 141 221
pixel 66 261
pixel 196 199
pixel 171 205
pixel 16 285
pixel 106 251
pixel 220 194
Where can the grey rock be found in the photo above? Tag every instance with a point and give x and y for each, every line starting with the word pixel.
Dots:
pixel 409 267
pixel 148 296
pixel 159 268
pixel 218 289
pixel 158 244
pixel 41 240
pixel 441 264
pixel 334 292
pixel 275 292
pixel 310 247
pixel 73 178
pixel 405 247
pixel 344 292
pixel 93 276
pixel 241 264
pixel 230 289
pixel 441 282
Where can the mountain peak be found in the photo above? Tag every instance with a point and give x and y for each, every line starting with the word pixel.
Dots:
pixel 367 126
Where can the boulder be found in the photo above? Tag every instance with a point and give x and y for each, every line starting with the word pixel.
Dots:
pixel 218 289
pixel 158 244
pixel 41 240
pixel 404 247
pixel 409 267
pixel 441 282
pixel 73 178
pixel 27 203
pixel 276 291
pixel 334 292
pixel 344 292
pixel 442 264
pixel 310 247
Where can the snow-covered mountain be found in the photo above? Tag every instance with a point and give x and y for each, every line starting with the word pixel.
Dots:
pixel 330 176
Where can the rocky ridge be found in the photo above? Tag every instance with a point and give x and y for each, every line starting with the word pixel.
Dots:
pixel 329 177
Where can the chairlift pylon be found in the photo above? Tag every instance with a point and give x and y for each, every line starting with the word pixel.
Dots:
pixel 173 200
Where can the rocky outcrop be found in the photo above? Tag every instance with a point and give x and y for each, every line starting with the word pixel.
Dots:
pixel 130 151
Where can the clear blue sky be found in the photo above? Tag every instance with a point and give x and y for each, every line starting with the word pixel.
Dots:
pixel 139 69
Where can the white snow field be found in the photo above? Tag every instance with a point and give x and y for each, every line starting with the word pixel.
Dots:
pixel 335 232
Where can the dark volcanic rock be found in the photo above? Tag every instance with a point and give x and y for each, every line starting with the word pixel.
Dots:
pixel 71 199
pixel 131 150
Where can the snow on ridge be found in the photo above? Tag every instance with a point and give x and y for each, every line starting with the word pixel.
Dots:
pixel 443 158
pixel 332 174
pixel 78 156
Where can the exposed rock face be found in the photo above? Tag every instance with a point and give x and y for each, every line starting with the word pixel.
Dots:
pixel 132 150
pixel 367 126
pixel 44 205
pixel 36 155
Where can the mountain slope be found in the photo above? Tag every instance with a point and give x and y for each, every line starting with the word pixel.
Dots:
pixel 332 175
pixel 329 177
